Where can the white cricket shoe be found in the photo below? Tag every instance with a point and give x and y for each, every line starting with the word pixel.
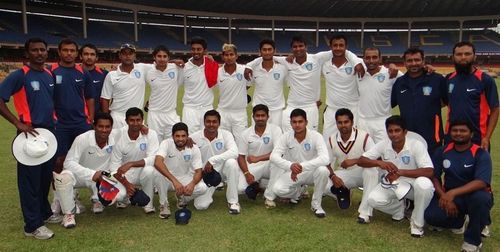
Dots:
pixel 319 212
pixel 165 211
pixel 80 208
pixel 234 208
pixel 486 231
pixel 149 209
pixel 415 230
pixel 97 207
pixel 269 203
pixel 41 233
pixel 462 229
pixel 123 204
pixel 467 247
pixel 69 221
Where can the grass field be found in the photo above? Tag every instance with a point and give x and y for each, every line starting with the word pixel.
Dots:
pixel 255 229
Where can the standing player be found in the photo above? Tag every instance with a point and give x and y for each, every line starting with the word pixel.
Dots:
pixel 303 156
pixel 466 189
pixel 233 93
pixel 255 148
pixel 132 160
pixel 346 147
pixel 269 78
pixel 163 79
pixel 420 97
pixel 86 160
pixel 219 152
pixel 375 95
pixel 198 96
pixel 472 95
pixel 32 88
pixel 340 82
pixel 406 160
pixel 88 56
pixel 182 168
pixel 124 87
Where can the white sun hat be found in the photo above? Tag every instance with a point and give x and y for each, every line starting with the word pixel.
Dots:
pixel 32 150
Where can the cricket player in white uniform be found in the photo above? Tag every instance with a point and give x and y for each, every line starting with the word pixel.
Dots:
pixel 219 152
pixel 340 81
pixel 163 79
pixel 345 148
pixel 181 167
pixel 233 93
pixel 198 96
pixel 125 86
pixel 375 95
pixel 406 161
pixel 132 161
pixel 255 149
pixel 88 156
pixel 269 79
pixel 303 156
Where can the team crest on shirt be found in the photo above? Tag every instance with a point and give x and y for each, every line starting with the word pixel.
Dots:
pixel 239 76
pixel 427 90
pixel 219 145
pixel 446 163
pixel 450 87
pixel 276 76
pixel 187 157
pixel 109 149
pixel 307 146
pixel 348 70
pixel 137 74
pixel 58 79
pixel 381 78
pixel 171 75
pixel 35 85
pixel 405 159
pixel 309 66
pixel 143 146
pixel 266 139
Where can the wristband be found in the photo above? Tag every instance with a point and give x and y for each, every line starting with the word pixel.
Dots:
pixel 246 173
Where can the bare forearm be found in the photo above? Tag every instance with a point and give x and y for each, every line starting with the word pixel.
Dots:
pixel 197 176
pixel 105 105
pixel 5 112
pixel 366 162
pixel 492 123
pixel 243 163
pixel 419 172
pixel 472 186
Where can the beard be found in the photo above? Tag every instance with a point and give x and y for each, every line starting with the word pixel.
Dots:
pixel 463 68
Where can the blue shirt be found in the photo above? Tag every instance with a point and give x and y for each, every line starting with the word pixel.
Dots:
pixel 471 97
pixel 419 100
pixel 33 93
pixel 97 75
pixel 73 86
pixel 460 168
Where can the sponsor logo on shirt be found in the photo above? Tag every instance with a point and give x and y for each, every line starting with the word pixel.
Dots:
pixel 468 165
pixel 471 89
pixel 171 156
pixel 51 84
pixel 402 91
pixel 35 85
pixel 96 81
pixel 78 80
pixel 427 90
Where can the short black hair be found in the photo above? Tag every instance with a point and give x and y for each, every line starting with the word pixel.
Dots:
pixel 88 45
pixel 133 112
pixel 260 107
pixel 67 41
pixel 344 112
pixel 464 43
pixel 180 126
pixel 461 122
pixel 413 50
pixel 199 40
pixel 212 112
pixel 372 49
pixel 102 116
pixel 267 42
pixel 337 37
pixel 299 39
pixel 161 48
pixel 395 120
pixel 298 112
pixel 31 41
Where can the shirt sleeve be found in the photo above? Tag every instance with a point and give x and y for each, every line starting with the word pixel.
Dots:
pixel 352 57
pixel 369 143
pixel 322 157
pixel 72 161
pixel 231 149
pixel 152 137
pixel 329 146
pixel 280 59
pixel 116 158
pixel 422 158
pixel 483 167
pixel 243 144
pixel 323 57
pixel 196 164
pixel 443 89
pixel 162 149
pixel 11 85
pixel 491 92
pixel 254 63
pixel 277 154
pixel 107 87
pixel 437 161
pixel 394 93
pixel 376 151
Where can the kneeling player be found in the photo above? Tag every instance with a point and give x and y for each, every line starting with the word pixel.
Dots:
pixel 88 157
pixel 346 147
pixel 181 166
pixel 255 148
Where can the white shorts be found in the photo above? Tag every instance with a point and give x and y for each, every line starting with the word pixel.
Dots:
pixel 193 117
pixel 312 117
pixel 162 123
pixel 234 121
pixel 375 127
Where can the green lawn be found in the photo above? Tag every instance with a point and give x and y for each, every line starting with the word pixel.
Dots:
pixel 255 229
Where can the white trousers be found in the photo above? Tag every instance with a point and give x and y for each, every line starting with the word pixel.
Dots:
pixel 386 200
pixel 65 183
pixel 375 127
pixel 285 187
pixel 162 123
pixel 144 177
pixel 261 171
pixel 118 119
pixel 234 121
pixel 312 117
pixel 229 171
pixel 193 117
pixel 199 190
pixel 330 124
pixel 355 177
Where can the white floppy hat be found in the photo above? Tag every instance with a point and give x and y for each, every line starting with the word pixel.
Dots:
pixel 32 150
